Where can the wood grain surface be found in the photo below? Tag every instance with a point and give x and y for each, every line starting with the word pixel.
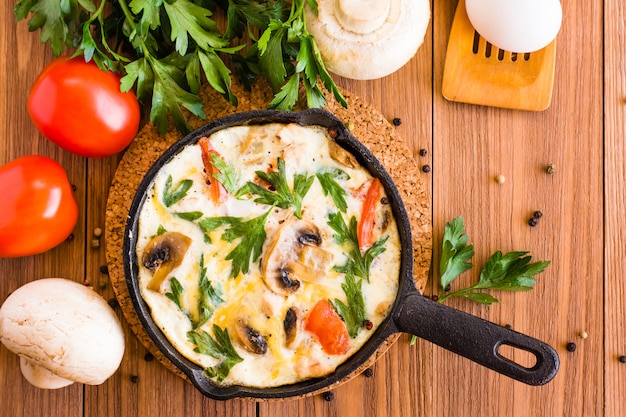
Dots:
pixel 582 231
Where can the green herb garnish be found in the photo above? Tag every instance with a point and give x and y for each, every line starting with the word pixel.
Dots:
pixel 251 232
pixel 227 175
pixel 190 215
pixel 352 313
pixel 219 347
pixel 172 194
pixel 328 180
pixel 282 196
pixel 176 292
pixel 209 296
pixel 358 263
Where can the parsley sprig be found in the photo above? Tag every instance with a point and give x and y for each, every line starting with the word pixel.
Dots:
pixel 251 233
pixel 282 195
pixel 510 272
pixel 218 347
pixel 353 313
pixel 210 297
pixel 328 180
pixel 165 50
pixel 174 193
pixel 358 262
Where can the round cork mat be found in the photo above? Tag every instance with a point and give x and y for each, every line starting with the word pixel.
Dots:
pixel 365 123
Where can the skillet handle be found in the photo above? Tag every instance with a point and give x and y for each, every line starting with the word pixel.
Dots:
pixel 475 339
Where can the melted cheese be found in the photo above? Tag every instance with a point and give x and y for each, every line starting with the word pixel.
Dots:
pixel 246 297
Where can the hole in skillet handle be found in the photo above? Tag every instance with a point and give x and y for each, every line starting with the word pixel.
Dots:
pixel 477 339
pixel 194 372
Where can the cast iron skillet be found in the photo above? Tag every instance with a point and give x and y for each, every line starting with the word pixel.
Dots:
pixel 459 332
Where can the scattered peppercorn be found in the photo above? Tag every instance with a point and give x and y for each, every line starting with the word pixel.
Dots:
pixel 532 222
pixel 97 232
pixel 102 285
pixel 328 396
pixel 368 324
pixel 384 200
pixel 134 379
pixel 500 179
pixel 508 326
pixel 583 335
pixel 550 169
pixel 332 132
pixel 73 187
pixel 537 214
pixel 86 282
pixel 622 359
pixel 423 152
pixel 396 121
pixel 148 357
pixel 434 297
pixel 368 373
pixel 426 168
pixel 104 269
pixel 571 347
pixel 448 287
pixel 113 303
pixel 70 237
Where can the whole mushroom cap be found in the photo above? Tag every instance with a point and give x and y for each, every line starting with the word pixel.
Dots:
pixel 368 39
pixel 61 327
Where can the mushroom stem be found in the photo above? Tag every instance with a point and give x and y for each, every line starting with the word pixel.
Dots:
pixel 42 377
pixel 361 16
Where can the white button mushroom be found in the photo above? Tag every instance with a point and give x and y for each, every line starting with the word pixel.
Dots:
pixel 368 39
pixel 63 331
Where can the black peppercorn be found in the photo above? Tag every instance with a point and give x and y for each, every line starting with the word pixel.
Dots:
pixel 328 396
pixel 148 357
pixel 70 237
pixel 434 297
pixel 447 289
pixel 384 200
pixel 532 222
pixel 113 303
pixel 426 168
pixel 73 187
pixel 368 373
pixel 134 379
pixel 508 326
pixel 423 152
pixel 396 121
pixel 104 269
pixel 537 214
pixel 571 347
pixel 622 359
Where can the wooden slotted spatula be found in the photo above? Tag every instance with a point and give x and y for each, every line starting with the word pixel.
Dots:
pixel 476 72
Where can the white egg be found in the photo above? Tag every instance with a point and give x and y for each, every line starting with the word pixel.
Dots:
pixel 516 25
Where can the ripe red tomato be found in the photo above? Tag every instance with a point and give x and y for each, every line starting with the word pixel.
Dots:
pixel 38 209
pixel 329 329
pixel 80 108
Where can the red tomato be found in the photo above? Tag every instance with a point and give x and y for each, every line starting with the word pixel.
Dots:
pixel 365 226
pixel 38 209
pixel 81 108
pixel 217 190
pixel 324 322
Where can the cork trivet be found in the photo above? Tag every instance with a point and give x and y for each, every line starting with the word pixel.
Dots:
pixel 366 124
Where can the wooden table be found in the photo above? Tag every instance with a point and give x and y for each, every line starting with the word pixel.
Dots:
pixel 582 231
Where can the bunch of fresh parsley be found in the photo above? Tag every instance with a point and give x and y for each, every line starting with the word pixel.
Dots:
pixel 166 49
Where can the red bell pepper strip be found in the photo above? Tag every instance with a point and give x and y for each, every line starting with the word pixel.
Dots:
pixel 217 191
pixel 365 225
pixel 327 326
